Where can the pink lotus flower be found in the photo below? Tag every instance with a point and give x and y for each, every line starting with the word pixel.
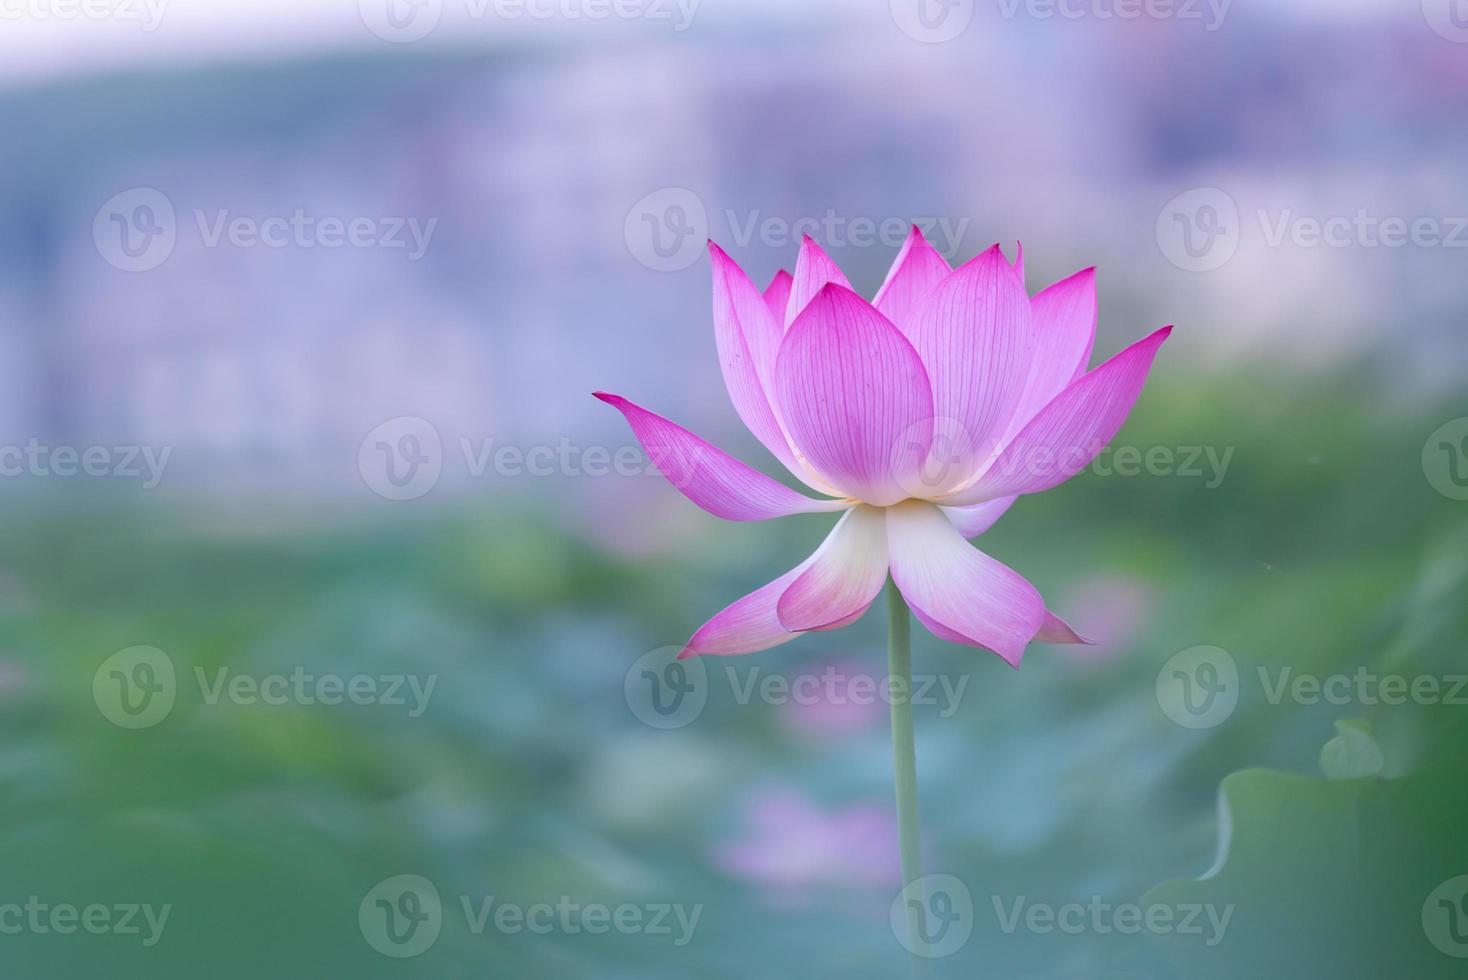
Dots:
pixel 921 415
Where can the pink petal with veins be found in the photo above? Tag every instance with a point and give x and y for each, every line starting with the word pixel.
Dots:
pixel 918 268
pixel 709 477
pixel 1067 433
pixel 854 397
pixel 975 519
pixel 957 591
pixel 813 270
pixel 973 334
pixel 777 296
pixel 848 572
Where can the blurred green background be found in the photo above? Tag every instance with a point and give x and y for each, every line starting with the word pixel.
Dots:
pixel 1306 516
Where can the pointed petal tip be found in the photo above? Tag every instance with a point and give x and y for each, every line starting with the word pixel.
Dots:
pixel 607 397
pixel 687 653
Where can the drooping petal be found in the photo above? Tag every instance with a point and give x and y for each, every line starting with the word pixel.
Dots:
pixel 752 624
pixel 1064 319
pixel 957 591
pixel 813 269
pixel 975 519
pixel 973 335
pixel 1057 630
pixel 709 477
pixel 846 575
pixel 1067 433
pixel 854 397
pixel 777 296
pixel 918 268
pixel 748 338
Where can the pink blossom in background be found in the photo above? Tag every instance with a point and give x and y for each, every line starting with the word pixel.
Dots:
pixel 789 846
pixel 1110 610
pixel 828 707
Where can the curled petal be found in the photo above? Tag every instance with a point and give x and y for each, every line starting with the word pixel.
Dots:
pixel 1057 630
pixel 975 519
pixel 957 591
pixel 1067 433
pixel 847 573
pixel 1019 260
pixel 752 623
pixel 854 397
pixel 813 270
pixel 918 268
pixel 973 335
pixel 709 477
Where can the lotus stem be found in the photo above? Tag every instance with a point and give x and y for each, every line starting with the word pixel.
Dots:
pixel 904 767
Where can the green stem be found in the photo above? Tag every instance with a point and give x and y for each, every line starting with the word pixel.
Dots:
pixel 904 766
